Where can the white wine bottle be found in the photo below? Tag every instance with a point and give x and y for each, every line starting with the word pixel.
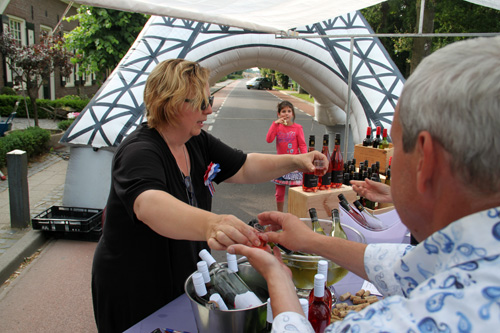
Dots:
pixel 234 291
pixel 337 230
pixel 316 226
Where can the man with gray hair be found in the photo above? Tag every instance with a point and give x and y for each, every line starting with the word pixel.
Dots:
pixel 446 188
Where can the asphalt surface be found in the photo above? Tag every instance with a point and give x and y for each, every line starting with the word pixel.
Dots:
pixel 51 291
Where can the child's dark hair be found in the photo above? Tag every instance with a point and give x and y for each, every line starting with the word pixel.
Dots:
pixel 284 104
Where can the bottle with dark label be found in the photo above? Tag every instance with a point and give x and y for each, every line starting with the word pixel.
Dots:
pixel 326 180
pixel 229 285
pixel 316 226
pixel 367 142
pixel 372 204
pixel 376 141
pixel 319 314
pixel 388 177
pixel 337 163
pixel 310 180
pixel 327 295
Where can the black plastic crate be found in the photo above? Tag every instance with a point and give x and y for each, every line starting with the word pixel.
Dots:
pixel 67 219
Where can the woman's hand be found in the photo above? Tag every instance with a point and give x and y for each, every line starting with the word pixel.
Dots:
pixel 225 230
pixel 263 261
pixel 305 162
pixel 373 191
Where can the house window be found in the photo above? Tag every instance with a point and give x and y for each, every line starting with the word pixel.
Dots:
pixel 16 28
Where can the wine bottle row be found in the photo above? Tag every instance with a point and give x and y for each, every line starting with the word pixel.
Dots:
pixel 377 142
pixel 313 181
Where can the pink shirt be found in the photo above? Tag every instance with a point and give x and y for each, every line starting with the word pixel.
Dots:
pixel 289 139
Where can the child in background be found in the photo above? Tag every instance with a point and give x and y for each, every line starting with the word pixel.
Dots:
pixel 289 140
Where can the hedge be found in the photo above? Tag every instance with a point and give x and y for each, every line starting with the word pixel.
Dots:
pixel 32 140
pixel 7 103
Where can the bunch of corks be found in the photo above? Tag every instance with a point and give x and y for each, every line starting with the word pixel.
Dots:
pixel 360 300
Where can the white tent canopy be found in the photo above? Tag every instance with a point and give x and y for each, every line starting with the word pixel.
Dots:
pixel 272 16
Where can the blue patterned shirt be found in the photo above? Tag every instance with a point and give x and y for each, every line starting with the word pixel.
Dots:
pixel 448 283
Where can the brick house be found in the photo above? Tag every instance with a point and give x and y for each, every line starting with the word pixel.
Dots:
pixel 26 20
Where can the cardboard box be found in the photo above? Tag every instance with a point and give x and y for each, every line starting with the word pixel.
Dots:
pixel 299 202
pixel 373 155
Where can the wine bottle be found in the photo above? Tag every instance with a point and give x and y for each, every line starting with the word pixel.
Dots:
pixel 327 295
pixel 374 222
pixel 234 291
pixel 367 142
pixel 304 303
pixel 269 318
pixel 316 226
pixel 232 263
pixel 203 269
pixel 310 180
pixel 372 204
pixel 337 163
pixel 215 297
pixel 384 143
pixel 337 230
pixel 326 180
pixel 201 294
pixel 358 218
pixel 388 177
pixel 319 314
pixel 376 141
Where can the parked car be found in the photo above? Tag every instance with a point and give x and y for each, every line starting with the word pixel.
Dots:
pixel 260 83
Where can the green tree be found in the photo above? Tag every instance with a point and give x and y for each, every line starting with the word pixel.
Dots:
pixel 31 65
pixel 450 16
pixel 103 37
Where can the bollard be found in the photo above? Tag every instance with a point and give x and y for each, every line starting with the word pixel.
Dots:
pixel 17 167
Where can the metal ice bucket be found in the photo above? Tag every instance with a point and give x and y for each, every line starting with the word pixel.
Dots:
pixel 247 320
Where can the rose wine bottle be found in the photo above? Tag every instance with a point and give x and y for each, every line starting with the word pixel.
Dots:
pixel 326 180
pixel 337 163
pixel 319 314
pixel 203 269
pixel 316 226
pixel 376 141
pixel 367 142
pixel 310 180
pixel 358 218
pixel 234 291
pixel 374 222
pixel 327 295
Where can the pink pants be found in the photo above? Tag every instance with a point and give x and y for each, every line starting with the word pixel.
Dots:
pixel 280 193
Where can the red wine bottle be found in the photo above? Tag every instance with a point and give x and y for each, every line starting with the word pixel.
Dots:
pixel 376 141
pixel 319 314
pixel 337 163
pixel 326 180
pixel 367 142
pixel 327 296
pixel 310 180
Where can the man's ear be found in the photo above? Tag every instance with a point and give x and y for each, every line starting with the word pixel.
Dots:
pixel 426 161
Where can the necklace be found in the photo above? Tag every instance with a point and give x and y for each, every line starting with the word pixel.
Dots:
pixel 185 179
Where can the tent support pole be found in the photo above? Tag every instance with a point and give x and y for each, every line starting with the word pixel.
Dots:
pixel 421 21
pixel 349 93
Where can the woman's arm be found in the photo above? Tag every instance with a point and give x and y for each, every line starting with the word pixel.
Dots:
pixel 175 219
pixel 259 168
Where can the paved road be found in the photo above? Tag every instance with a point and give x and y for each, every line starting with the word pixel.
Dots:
pixel 52 294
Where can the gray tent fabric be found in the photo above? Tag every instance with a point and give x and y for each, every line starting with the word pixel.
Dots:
pixel 320 65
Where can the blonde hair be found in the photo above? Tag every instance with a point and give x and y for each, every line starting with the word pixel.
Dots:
pixel 168 86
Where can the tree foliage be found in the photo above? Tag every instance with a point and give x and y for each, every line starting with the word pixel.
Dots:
pixel 450 16
pixel 103 37
pixel 31 65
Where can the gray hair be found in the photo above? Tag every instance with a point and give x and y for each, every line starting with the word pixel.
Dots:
pixel 454 94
